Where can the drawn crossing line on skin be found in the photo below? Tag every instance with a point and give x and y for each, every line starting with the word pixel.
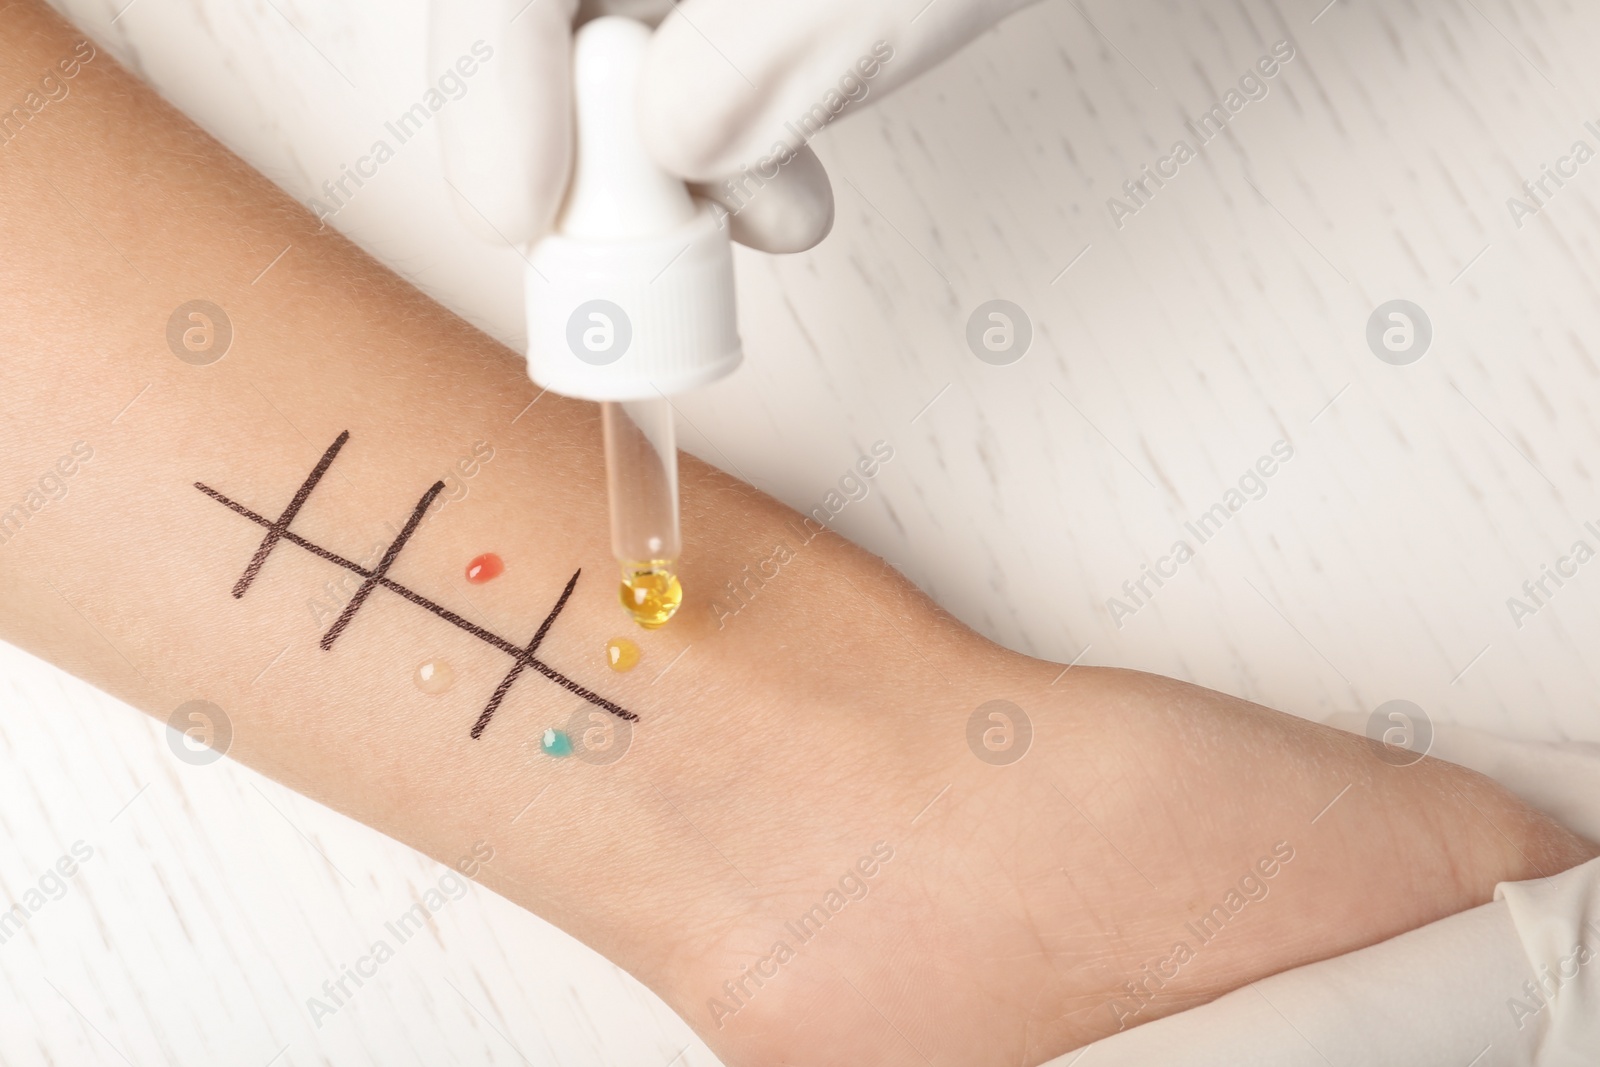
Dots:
pixel 516 668
pixel 278 530
pixel 384 564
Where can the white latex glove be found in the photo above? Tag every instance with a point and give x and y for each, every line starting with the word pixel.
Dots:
pixel 728 85
pixel 507 143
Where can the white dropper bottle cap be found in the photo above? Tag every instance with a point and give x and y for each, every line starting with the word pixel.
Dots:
pixel 629 301
pixel 632 296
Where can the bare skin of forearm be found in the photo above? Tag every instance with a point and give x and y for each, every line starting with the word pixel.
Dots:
pixel 1020 905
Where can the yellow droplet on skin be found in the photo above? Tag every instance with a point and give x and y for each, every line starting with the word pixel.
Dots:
pixel 434 676
pixel 651 592
pixel 621 654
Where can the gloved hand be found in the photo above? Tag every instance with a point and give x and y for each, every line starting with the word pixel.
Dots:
pixel 730 93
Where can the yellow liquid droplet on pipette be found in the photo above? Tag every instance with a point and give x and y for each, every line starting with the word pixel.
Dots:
pixel 650 592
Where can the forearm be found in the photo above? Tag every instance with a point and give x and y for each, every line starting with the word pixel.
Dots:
pixel 116 211
pixel 820 708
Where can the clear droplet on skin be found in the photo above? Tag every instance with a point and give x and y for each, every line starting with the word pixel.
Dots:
pixel 621 654
pixel 434 676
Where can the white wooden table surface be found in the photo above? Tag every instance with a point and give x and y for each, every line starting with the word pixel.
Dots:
pixel 1168 355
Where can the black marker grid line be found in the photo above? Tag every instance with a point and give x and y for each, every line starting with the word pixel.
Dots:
pixel 278 530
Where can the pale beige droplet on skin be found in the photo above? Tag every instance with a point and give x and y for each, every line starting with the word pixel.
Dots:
pixel 434 676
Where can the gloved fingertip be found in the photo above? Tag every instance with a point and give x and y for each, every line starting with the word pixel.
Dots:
pixel 692 103
pixel 791 211
pixel 782 232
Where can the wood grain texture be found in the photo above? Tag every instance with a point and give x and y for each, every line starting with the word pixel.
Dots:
pixel 1168 355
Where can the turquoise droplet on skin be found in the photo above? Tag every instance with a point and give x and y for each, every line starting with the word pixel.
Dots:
pixel 556 743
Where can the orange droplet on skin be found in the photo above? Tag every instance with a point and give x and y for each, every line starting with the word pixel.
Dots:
pixel 621 654
pixel 485 568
